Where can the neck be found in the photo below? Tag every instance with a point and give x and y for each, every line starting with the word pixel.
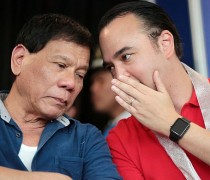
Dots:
pixel 21 115
pixel 179 86
pixel 116 111
pixel 30 125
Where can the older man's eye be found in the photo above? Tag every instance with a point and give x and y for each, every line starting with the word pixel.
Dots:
pixel 61 65
pixel 81 76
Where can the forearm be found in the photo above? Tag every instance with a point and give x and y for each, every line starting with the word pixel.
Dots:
pixel 197 142
pixel 12 174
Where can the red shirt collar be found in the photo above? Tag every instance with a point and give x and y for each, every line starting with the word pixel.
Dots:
pixel 193 100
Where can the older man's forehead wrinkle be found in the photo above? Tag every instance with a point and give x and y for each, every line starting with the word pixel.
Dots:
pixel 62 57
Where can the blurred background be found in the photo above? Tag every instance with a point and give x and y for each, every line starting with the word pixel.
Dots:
pixel 192 18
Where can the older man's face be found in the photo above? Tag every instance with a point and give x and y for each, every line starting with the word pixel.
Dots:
pixel 50 80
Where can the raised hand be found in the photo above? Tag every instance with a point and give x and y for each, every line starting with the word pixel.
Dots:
pixel 153 108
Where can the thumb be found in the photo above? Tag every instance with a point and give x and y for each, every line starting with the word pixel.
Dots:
pixel 158 82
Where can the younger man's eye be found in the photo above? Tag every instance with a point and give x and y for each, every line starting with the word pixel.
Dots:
pixel 109 67
pixel 126 57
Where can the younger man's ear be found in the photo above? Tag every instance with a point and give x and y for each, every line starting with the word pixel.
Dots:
pixel 166 43
pixel 17 58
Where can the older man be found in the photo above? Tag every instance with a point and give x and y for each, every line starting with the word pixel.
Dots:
pixel 49 62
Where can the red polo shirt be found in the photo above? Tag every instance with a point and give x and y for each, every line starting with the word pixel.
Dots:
pixel 139 155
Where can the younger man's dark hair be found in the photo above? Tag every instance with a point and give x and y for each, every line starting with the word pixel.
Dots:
pixel 154 18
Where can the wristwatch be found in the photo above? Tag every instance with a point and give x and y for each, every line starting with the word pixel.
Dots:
pixel 178 129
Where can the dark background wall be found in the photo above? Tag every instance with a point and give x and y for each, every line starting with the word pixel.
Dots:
pixel 14 13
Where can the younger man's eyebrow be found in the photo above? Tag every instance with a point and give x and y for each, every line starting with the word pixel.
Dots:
pixel 121 51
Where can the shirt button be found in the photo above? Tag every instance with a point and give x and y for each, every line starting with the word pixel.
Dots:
pixel 18 135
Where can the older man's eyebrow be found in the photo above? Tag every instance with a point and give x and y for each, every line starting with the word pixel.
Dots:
pixel 122 50
pixel 67 59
